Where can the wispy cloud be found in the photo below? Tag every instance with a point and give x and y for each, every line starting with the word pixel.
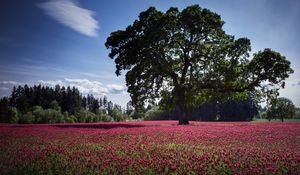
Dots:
pixel 33 70
pixel 69 13
pixel 89 74
pixel 10 83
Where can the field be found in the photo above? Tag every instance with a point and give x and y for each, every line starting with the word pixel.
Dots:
pixel 156 147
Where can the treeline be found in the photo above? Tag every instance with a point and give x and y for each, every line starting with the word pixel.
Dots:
pixel 242 110
pixel 43 104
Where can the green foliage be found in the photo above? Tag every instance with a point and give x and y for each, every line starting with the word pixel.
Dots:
pixel 136 114
pixel 297 113
pixel 231 110
pixel 153 114
pixel 117 115
pixel 47 115
pixel 40 115
pixel 54 116
pixel 69 118
pixel 4 107
pixel 129 108
pixel 263 115
pixel 102 116
pixel 85 116
pixel 185 58
pixel 281 108
pixel 43 104
pixel 13 115
pixel 55 105
pixel 27 118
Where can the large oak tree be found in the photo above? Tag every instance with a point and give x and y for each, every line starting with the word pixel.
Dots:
pixel 185 56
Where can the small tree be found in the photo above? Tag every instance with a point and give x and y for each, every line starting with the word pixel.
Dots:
pixel 281 108
pixel 153 114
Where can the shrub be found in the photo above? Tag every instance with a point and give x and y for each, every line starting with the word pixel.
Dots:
pixel 102 117
pixel 37 112
pixel 27 118
pixel 13 115
pixel 53 116
pixel 153 114
pixel 54 105
pixel 84 116
pixel 47 115
pixel 136 115
pixel 263 115
pixel 117 115
pixel 69 118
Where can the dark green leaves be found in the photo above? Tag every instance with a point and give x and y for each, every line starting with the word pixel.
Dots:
pixel 188 53
pixel 269 66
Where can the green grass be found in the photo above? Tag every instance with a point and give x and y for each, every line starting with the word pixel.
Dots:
pixel 276 120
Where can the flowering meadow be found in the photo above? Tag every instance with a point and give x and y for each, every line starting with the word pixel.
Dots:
pixel 153 147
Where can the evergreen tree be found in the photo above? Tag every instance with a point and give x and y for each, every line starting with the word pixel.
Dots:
pixel 84 102
pixel 95 105
pixel 110 106
pixel 129 108
pixel 105 105
pixel 4 106
pixel 44 104
pixel 100 103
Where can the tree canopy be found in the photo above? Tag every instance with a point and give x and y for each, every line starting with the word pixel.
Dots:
pixel 186 58
pixel 281 108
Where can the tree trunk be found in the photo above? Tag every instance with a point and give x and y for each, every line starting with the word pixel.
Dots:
pixel 181 108
pixel 183 119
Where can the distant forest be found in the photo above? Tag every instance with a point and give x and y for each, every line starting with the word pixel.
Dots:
pixel 43 104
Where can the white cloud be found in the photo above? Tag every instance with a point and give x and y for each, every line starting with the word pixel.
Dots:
pixel 115 92
pixel 86 86
pixel 51 82
pixel 115 89
pixel 10 83
pixel 69 13
pixel 6 86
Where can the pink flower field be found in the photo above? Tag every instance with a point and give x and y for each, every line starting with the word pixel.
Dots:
pixel 156 147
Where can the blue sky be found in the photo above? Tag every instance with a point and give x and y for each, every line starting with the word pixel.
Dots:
pixel 62 41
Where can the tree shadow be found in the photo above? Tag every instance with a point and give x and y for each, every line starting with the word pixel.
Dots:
pixel 99 126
